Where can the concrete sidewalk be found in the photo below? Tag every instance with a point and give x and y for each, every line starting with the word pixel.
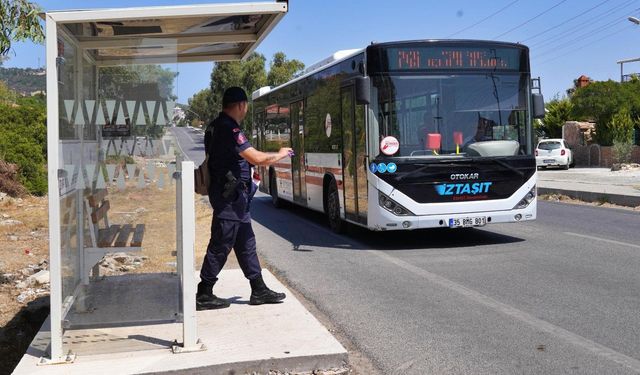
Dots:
pixel 240 339
pixel 593 185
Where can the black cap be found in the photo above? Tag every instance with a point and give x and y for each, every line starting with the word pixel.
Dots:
pixel 233 95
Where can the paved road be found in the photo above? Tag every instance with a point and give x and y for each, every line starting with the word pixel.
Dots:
pixel 559 295
pixel 191 142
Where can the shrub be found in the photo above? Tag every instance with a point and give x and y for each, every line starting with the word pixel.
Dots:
pixel 27 155
pixel 621 126
pixel 23 142
pixel 9 180
pixel 622 151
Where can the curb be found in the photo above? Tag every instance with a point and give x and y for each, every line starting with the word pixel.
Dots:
pixel 589 196
pixel 302 364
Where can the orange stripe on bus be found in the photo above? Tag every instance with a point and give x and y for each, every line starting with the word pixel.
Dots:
pixel 324 170
pixel 318 181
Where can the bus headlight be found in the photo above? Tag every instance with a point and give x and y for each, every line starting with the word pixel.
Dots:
pixel 528 198
pixel 392 206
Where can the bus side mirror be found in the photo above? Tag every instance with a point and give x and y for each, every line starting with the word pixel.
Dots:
pixel 363 90
pixel 538 106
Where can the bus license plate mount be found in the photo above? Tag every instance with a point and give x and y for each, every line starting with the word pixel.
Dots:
pixel 466 222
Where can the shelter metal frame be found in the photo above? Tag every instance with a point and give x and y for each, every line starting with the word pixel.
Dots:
pixel 272 13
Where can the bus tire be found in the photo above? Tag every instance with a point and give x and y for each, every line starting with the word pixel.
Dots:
pixel 273 189
pixel 336 223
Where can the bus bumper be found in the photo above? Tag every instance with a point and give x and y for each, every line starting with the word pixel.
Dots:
pixel 388 221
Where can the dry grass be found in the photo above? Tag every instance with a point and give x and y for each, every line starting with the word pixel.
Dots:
pixel 30 247
pixel 159 216
pixel 156 208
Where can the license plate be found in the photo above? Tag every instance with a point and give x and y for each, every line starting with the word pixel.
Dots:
pixel 549 161
pixel 465 222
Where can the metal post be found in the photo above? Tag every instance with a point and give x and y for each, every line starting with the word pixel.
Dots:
pixel 190 341
pixel 179 225
pixel 56 352
pixel 621 72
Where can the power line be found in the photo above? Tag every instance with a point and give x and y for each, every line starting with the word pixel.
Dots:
pixel 587 44
pixel 530 19
pixel 484 19
pixel 598 17
pixel 565 22
pixel 580 37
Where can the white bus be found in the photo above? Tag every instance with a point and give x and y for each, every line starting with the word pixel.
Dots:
pixel 406 135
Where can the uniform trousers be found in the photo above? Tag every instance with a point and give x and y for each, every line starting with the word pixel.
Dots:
pixel 227 235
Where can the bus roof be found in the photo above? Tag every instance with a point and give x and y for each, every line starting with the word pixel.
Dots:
pixel 342 55
pixel 334 59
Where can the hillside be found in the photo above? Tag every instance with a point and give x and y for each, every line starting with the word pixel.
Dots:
pixel 24 81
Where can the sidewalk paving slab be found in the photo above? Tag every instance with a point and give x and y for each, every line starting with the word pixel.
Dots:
pixel 593 185
pixel 240 339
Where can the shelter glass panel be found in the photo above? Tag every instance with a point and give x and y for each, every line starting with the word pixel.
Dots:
pixel 117 155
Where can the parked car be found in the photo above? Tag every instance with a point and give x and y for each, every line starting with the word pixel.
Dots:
pixel 553 153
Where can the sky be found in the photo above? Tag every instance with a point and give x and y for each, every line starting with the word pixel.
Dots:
pixel 567 38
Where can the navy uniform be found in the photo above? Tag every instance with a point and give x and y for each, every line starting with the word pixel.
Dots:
pixel 230 194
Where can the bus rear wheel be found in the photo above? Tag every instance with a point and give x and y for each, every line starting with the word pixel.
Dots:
pixel 336 223
pixel 273 188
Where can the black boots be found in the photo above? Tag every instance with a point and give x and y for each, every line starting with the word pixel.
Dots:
pixel 206 300
pixel 260 294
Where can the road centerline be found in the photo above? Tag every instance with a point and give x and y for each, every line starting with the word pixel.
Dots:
pixel 515 313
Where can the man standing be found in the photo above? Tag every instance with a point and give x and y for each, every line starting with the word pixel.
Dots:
pixel 230 191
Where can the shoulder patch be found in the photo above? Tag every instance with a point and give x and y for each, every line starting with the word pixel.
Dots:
pixel 240 138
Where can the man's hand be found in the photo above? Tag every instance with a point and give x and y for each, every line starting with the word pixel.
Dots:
pixel 285 152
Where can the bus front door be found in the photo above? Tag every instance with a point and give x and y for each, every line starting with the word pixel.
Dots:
pixel 353 154
pixel 298 170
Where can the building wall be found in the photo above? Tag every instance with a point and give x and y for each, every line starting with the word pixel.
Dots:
pixel 599 156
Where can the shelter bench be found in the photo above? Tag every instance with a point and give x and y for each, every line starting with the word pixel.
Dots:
pixel 107 238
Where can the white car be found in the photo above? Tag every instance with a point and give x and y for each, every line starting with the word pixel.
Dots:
pixel 553 153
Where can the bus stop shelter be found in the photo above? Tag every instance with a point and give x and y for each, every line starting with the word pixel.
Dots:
pixel 118 182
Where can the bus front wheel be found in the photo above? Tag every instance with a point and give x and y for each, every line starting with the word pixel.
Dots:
pixel 333 209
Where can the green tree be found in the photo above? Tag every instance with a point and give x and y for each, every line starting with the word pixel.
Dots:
pixel 600 101
pixel 282 70
pixel 249 74
pixel 200 107
pixel 7 96
pixel 18 21
pixel 558 112
pixel 116 82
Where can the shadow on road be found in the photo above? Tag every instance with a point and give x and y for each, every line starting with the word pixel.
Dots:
pixel 307 229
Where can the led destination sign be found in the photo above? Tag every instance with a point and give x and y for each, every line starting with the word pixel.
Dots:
pixel 455 58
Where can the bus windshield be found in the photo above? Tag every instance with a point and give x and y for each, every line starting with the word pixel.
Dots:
pixel 445 115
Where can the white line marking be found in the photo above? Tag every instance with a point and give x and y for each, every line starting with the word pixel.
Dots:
pixel 602 239
pixel 180 147
pixel 512 312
